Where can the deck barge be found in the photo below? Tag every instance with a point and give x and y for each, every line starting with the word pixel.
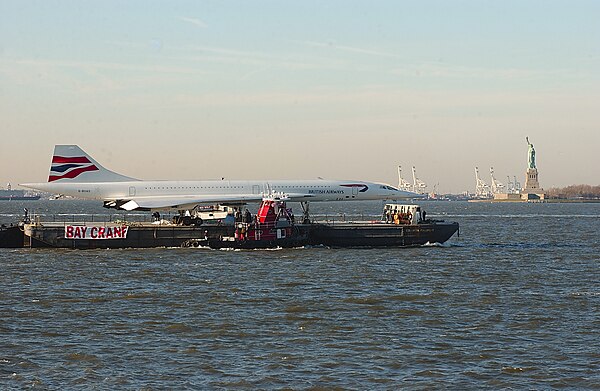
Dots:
pixel 273 226
pixel 145 235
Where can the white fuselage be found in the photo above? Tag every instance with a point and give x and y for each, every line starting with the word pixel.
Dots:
pixel 318 190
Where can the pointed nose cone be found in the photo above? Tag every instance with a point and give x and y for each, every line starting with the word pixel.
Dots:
pixel 403 194
pixel 410 195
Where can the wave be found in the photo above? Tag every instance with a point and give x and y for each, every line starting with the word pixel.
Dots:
pixel 437 244
pixel 513 215
pixel 251 249
pixel 528 245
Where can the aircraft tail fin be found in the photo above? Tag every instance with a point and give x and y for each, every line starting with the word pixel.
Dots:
pixel 71 164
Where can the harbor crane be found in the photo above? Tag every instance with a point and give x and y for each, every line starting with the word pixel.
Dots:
pixel 418 185
pixel 482 189
pixel 497 186
pixel 403 184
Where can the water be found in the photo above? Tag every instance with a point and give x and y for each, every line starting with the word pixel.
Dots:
pixel 512 303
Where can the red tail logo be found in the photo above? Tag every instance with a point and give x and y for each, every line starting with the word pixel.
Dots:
pixel 69 167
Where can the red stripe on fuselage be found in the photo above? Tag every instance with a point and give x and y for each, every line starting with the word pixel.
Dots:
pixel 72 174
pixel 77 159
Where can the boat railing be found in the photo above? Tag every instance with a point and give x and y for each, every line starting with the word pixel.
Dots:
pixel 346 218
pixel 99 218
pixel 83 218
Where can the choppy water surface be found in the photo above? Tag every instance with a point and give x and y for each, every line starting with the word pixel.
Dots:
pixel 514 302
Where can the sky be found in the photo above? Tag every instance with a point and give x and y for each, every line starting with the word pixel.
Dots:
pixel 303 89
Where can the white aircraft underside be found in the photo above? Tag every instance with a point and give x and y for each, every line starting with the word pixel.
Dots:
pixel 75 173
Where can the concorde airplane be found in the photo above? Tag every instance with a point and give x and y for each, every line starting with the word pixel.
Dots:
pixel 75 173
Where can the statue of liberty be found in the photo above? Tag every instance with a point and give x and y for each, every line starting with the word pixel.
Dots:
pixel 530 154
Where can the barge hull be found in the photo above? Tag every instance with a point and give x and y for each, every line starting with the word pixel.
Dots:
pixel 145 236
pixel 11 237
pixel 223 236
pixel 381 235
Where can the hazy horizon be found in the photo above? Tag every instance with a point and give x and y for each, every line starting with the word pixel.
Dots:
pixel 299 90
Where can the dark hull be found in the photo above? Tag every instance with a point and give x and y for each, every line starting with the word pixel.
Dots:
pixel 219 236
pixel 352 235
pixel 381 235
pixel 299 238
pixel 19 198
pixel 11 237
pixel 138 237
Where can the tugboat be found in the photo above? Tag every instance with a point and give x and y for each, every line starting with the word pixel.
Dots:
pixel 272 227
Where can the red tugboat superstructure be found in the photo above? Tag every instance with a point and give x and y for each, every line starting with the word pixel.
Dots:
pixel 272 227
